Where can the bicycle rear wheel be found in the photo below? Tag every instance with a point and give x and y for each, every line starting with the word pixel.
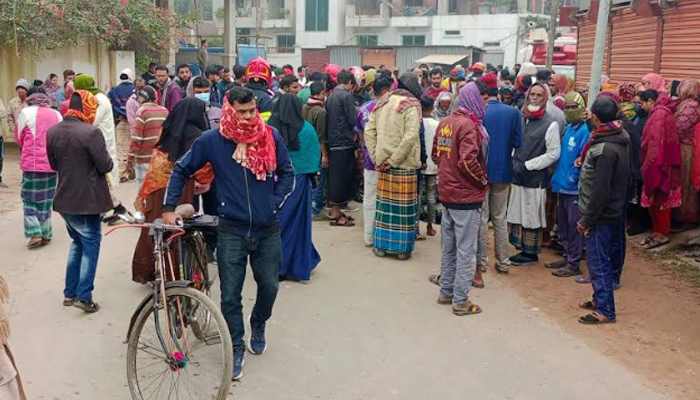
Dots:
pixel 201 366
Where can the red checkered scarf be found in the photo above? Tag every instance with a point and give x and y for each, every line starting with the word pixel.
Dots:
pixel 256 144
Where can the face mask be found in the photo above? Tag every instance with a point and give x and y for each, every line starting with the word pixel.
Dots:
pixel 641 112
pixel 203 96
pixel 533 108
pixel 574 116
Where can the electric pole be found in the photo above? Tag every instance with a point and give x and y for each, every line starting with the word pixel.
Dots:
pixel 601 32
pixel 553 13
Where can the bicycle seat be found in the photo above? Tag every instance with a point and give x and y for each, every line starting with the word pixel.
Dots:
pixel 201 223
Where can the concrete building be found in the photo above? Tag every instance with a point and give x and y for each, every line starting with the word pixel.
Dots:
pixel 296 31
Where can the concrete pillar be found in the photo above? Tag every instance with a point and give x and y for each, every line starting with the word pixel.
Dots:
pixel 443 7
pixel 229 33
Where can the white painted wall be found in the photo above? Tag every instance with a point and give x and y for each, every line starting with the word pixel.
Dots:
pixel 477 29
pixel 336 33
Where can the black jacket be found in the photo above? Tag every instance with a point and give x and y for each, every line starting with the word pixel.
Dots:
pixel 605 179
pixel 342 117
pixel 77 151
pixel 262 97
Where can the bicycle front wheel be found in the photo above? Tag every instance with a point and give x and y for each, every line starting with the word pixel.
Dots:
pixel 197 365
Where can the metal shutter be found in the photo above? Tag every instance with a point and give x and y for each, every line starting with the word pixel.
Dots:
pixel 680 52
pixel 584 52
pixel 377 57
pixel 633 46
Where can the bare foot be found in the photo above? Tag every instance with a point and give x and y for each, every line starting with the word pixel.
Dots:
pixel 431 230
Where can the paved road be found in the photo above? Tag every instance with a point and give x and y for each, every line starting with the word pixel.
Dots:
pixel 364 328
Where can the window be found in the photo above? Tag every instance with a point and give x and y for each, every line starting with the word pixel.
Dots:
pixel 453 33
pixel 367 40
pixel 243 35
pixel 452 7
pixel 286 41
pixel 317 15
pixel 414 40
pixel 414 3
pixel 492 44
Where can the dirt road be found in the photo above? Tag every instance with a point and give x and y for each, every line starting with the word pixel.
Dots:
pixel 367 328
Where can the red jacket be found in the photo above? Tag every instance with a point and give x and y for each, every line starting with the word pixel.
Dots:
pixel 457 151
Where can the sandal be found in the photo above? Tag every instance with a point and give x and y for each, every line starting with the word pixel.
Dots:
pixel 583 279
pixel 588 305
pixel 434 279
pixel 478 285
pixel 647 240
pixel 420 237
pixel 566 272
pixel 467 308
pixel 68 301
pixel 595 318
pixel 653 243
pixel 348 221
pixel 556 265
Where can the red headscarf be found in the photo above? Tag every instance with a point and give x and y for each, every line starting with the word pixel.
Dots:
pixel 258 142
pixel 89 105
pixel 627 92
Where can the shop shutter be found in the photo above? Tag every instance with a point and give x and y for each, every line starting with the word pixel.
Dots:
pixel 315 59
pixel 680 51
pixel 377 57
pixel 633 46
pixel 584 52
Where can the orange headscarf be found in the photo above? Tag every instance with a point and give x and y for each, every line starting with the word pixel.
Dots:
pixel 562 83
pixel 89 107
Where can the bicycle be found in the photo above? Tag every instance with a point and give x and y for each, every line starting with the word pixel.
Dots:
pixel 171 325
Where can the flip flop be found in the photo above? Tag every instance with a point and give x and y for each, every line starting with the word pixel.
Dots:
pixel 348 222
pixel 653 243
pixel 583 279
pixel 595 318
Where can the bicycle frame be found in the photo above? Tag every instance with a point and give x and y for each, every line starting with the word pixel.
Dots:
pixel 161 248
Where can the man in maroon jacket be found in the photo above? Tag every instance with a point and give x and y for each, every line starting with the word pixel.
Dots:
pixel 459 152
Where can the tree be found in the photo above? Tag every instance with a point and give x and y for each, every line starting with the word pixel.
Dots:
pixel 36 25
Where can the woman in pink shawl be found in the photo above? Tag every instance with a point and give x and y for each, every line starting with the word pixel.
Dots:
pixel 653 81
pixel 661 165
pixel 687 117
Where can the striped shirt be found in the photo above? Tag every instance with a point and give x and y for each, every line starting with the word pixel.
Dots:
pixel 147 126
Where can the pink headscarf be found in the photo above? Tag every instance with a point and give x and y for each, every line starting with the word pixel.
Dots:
pixel 656 82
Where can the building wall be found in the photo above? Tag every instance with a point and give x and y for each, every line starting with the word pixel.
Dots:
pixel 102 64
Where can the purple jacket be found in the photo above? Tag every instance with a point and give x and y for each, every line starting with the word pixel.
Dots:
pixel 362 117
pixel 30 133
pixel 173 95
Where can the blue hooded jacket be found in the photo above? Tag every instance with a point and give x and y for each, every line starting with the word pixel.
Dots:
pixel 566 174
pixel 247 206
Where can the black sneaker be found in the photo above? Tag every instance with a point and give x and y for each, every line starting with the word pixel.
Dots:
pixel 524 259
pixel 87 306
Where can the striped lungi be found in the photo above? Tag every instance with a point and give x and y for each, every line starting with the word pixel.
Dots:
pixel 527 240
pixel 395 221
pixel 38 192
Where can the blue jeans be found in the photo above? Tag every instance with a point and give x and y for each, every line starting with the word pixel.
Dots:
pixel 599 247
pixel 318 195
pixel 86 232
pixel 265 255
pixel 618 252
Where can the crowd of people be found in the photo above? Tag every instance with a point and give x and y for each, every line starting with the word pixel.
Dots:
pixel 269 150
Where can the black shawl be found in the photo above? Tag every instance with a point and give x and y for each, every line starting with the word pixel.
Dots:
pixel 287 118
pixel 182 127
